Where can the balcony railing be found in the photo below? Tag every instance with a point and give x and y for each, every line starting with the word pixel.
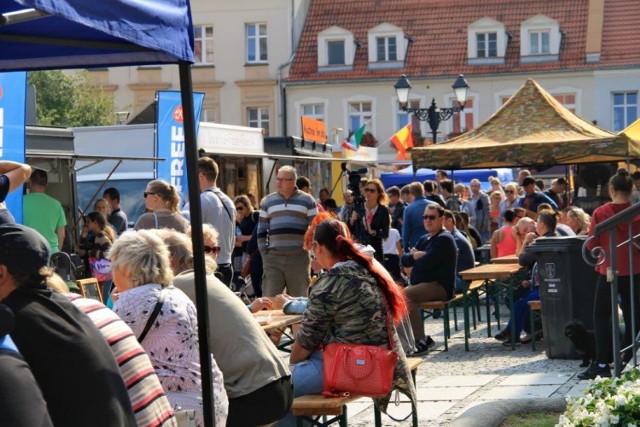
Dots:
pixel 599 255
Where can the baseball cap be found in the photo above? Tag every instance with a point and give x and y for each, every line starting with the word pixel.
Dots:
pixel 22 249
pixel 528 181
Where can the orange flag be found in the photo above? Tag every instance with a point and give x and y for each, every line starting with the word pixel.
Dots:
pixel 402 141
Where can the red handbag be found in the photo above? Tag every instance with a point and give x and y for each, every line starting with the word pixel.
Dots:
pixel 357 369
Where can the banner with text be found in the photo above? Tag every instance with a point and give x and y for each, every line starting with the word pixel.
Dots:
pixel 313 130
pixel 170 139
pixel 13 95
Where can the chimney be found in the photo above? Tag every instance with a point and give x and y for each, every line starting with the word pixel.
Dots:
pixel 594 30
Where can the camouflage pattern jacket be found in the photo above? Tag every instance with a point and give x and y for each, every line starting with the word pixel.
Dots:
pixel 346 305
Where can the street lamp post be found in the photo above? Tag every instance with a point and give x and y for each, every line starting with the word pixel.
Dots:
pixel 432 115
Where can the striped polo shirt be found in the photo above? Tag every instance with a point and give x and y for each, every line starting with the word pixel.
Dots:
pixel 283 222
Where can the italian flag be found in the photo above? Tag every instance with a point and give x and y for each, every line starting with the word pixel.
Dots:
pixel 403 141
pixel 354 142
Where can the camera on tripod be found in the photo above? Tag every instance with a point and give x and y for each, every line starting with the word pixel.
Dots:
pixel 357 228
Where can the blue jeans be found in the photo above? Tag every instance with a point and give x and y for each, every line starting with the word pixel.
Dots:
pixel 307 379
pixel 521 311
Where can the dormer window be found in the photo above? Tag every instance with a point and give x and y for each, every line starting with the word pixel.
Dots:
pixel 487 45
pixel 540 39
pixel 486 42
pixel 387 46
pixel 336 49
pixel 335 52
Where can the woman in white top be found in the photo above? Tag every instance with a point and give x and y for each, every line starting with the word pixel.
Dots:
pixel 142 275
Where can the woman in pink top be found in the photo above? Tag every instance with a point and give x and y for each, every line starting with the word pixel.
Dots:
pixel 503 242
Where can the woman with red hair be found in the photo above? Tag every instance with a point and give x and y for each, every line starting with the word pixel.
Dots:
pixel 352 301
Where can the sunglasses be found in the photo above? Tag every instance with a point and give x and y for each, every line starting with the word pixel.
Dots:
pixel 148 194
pixel 239 208
pixel 509 191
pixel 370 190
pixel 431 217
pixel 212 250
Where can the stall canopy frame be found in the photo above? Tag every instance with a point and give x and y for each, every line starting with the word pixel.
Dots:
pixel 62 34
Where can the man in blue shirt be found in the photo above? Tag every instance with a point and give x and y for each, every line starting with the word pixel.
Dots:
pixel 412 222
pixel 533 198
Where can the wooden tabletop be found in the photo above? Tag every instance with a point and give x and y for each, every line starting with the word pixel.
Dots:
pixel 490 271
pixel 273 319
pixel 509 259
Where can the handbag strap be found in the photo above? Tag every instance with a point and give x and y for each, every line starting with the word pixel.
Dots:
pixel 153 316
pixel 223 205
pixel 388 320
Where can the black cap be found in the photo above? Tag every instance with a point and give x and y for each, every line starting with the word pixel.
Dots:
pixel 528 181
pixel 22 249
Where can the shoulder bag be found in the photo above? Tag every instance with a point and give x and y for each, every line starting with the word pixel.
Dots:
pixel 153 316
pixel 358 369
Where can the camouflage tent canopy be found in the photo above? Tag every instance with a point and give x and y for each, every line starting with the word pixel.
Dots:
pixel 531 129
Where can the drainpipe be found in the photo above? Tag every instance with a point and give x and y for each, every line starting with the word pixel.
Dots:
pixel 281 86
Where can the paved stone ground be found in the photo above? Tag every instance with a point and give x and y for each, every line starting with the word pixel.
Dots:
pixel 450 382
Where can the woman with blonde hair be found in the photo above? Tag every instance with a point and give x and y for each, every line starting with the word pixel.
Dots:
pixel 578 220
pixel 495 198
pixel 375 224
pixel 143 278
pixel 162 201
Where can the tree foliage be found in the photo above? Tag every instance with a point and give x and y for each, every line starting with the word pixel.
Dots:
pixel 70 100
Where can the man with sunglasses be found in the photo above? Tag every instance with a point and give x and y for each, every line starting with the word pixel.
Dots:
pixel 511 200
pixel 284 218
pixel 433 271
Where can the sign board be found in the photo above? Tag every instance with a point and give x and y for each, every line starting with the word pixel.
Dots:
pixel 364 154
pixel 313 130
pixel 231 140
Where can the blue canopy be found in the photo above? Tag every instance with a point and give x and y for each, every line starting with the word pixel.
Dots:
pixel 86 34
pixel 56 34
pixel 405 176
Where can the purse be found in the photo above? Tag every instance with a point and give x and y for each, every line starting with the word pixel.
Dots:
pixel 246 267
pixel 100 268
pixel 358 369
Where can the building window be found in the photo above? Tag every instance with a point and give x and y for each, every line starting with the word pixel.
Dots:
pixel 403 119
pixel 335 52
pixel 258 118
pixel 487 45
pixel 208 115
pixel 625 109
pixel 539 41
pixel 203 44
pixel 256 43
pixel 359 113
pixel 315 111
pixel 464 120
pixel 568 100
pixel 387 48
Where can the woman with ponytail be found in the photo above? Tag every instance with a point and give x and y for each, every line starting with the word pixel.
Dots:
pixel 352 302
pixel 162 202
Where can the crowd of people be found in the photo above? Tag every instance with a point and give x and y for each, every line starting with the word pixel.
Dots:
pixel 362 271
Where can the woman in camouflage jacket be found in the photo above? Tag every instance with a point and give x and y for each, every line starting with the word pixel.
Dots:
pixel 347 304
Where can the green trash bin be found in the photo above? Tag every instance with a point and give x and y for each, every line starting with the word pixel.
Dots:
pixel 567 290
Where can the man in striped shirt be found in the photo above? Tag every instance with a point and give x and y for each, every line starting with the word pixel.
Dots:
pixel 284 218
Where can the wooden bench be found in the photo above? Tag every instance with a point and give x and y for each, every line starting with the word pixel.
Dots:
pixel 313 407
pixel 535 312
pixel 444 306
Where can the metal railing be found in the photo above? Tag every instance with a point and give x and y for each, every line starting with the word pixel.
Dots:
pixel 598 255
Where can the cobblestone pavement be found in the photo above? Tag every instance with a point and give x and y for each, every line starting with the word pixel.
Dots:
pixel 450 382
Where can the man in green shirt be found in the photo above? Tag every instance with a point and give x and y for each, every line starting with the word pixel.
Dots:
pixel 42 212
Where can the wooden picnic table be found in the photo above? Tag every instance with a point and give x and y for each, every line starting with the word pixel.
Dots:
pixel 509 259
pixel 492 275
pixel 275 319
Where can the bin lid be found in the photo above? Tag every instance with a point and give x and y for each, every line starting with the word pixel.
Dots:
pixel 557 244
